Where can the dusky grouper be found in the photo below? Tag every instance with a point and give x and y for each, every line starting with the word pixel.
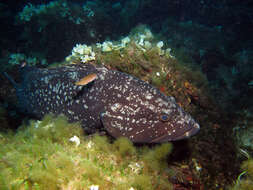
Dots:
pixel 117 102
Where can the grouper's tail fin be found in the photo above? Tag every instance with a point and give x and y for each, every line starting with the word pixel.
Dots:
pixel 22 101
pixel 11 80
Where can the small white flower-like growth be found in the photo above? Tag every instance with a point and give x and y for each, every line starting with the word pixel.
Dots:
pixel 75 140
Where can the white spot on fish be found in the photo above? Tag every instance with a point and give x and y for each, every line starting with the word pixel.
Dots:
pixel 46 79
pixel 148 96
pixel 152 107
pixel 115 107
pixel 73 75
pixel 120 117
pixel 71 112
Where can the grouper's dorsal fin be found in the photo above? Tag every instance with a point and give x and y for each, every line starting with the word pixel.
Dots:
pixel 86 80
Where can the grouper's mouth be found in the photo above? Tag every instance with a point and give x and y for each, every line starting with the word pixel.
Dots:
pixel 188 133
pixel 166 138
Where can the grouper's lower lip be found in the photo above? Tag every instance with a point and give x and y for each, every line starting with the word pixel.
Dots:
pixel 187 134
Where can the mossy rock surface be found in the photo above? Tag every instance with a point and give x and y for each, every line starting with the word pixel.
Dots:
pixel 41 156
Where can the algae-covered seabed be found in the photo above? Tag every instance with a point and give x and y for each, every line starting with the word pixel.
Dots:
pixel 205 161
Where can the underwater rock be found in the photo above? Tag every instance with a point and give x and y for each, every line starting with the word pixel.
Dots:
pixel 120 103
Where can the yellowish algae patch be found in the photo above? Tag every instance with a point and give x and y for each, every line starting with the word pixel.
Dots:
pixel 245 178
pixel 54 154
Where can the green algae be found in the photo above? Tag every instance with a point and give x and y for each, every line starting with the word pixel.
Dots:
pixel 156 158
pixel 142 182
pixel 41 156
pixel 245 179
pixel 248 166
pixel 124 147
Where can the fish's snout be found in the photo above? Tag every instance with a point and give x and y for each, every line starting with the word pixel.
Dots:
pixel 192 131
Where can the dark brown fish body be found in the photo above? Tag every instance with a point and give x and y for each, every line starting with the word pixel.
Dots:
pixel 120 103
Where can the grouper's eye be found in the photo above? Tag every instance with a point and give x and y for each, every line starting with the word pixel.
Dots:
pixel 164 117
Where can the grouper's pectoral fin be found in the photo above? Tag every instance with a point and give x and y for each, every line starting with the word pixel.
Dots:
pixel 86 80
pixel 129 130
pixel 129 126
